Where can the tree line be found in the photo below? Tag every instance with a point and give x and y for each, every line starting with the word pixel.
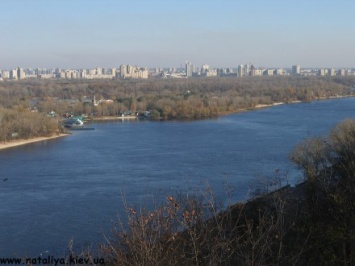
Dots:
pixel 23 124
pixel 171 98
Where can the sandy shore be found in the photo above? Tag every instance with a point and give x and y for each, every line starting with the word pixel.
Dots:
pixel 113 118
pixel 267 105
pixel 20 142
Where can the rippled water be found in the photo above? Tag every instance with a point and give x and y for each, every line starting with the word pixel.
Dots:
pixel 70 188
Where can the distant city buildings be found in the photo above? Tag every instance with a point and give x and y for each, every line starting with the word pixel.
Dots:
pixel 188 71
pixel 133 72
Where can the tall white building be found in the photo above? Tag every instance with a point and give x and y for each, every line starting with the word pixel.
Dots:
pixel 113 72
pixel 189 69
pixel 13 74
pixel 83 73
pixel 296 70
pixel 341 72
pixel 241 71
pixel 331 72
pixel 205 68
pixel 5 74
pixel 123 71
pixel 20 73
pixel 247 70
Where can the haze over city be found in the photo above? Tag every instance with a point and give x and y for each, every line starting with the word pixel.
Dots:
pixel 88 34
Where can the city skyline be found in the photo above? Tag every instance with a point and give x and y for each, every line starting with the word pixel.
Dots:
pixel 82 34
pixel 190 70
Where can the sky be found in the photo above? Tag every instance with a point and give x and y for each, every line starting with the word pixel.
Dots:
pixel 167 33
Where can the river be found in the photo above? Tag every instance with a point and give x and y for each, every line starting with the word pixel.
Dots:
pixel 71 188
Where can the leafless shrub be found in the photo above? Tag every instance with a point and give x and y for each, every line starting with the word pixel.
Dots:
pixel 193 230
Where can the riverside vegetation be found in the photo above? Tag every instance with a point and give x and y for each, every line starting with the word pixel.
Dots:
pixel 166 99
pixel 22 124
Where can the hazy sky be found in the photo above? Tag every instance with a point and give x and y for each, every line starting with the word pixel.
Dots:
pixel 221 33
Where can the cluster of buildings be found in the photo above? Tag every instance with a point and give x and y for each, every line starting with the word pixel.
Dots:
pixel 250 70
pixel 190 70
pixel 125 71
pixel 133 72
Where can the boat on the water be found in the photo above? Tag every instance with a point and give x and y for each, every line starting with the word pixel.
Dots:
pixel 73 122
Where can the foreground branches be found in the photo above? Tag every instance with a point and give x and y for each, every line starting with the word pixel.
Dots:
pixel 329 209
pixel 192 230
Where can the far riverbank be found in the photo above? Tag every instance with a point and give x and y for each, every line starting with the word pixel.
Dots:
pixel 20 142
pixel 259 106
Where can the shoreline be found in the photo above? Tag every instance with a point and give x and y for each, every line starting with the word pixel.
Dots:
pixel 259 106
pixel 21 142
pixel 104 118
pixel 256 107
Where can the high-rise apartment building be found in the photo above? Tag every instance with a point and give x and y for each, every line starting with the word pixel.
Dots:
pixel 247 70
pixel 296 70
pixel 331 72
pixel 20 73
pixel 205 68
pixel 113 72
pixel 13 74
pixel 5 74
pixel 241 71
pixel 321 72
pixel 268 72
pixel 123 71
pixel 82 73
pixel 189 69
pixel 341 72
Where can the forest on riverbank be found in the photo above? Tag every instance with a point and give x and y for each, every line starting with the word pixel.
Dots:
pixel 193 98
pixel 23 124
pixel 24 104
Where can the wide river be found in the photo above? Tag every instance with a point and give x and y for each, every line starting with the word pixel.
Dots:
pixel 71 188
